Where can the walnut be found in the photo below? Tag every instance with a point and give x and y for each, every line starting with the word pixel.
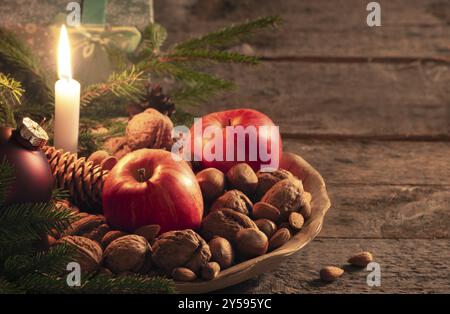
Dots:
pixel 225 223
pixel 286 195
pixel 87 252
pixel 127 253
pixel 149 129
pixel 267 179
pixel 235 200
pixel 181 248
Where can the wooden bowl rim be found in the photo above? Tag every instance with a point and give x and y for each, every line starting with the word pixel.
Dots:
pixel 313 183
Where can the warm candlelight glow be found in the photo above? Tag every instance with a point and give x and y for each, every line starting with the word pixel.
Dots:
pixel 67 99
pixel 64 68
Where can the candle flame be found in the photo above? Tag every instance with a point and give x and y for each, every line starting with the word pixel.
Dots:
pixel 64 67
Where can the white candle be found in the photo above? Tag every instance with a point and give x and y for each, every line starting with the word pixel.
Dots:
pixel 67 100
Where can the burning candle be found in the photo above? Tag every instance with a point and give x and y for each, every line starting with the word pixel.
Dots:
pixel 67 99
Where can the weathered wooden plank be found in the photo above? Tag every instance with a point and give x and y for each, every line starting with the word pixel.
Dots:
pixel 371 163
pixel 407 266
pixel 350 99
pixel 320 27
pixel 388 212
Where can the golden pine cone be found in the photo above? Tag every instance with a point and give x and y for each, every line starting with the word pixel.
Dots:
pixel 80 177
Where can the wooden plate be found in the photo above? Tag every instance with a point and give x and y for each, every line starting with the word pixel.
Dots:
pixel 314 184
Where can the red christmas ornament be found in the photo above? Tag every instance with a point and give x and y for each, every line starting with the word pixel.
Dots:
pixel 21 147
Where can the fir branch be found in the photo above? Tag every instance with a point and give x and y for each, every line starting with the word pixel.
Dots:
pixel 229 36
pixel 20 60
pixel 7 177
pixel 10 93
pixel 44 283
pixel 204 55
pixel 60 194
pixel 53 261
pixel 127 84
pixel 7 287
pixel 28 222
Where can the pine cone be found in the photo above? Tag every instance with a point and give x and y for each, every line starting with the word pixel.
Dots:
pixel 81 178
pixel 154 98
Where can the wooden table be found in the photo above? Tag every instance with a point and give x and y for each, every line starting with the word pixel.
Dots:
pixel 370 109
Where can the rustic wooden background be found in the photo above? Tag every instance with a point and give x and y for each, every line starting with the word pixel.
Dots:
pixel 368 107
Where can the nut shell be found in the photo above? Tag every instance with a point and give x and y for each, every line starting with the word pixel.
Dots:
pixel 183 274
pixel 87 252
pixel 265 210
pixel 251 243
pixel 361 259
pixel 296 221
pixel 242 177
pixel 221 252
pixel 280 237
pixel 212 183
pixel 127 253
pixel 286 196
pixel 111 236
pixel 235 200
pixel 267 226
pixel 210 271
pixel 330 273
pixel 149 232
pixel 225 223
pixel 267 179
pixel 180 249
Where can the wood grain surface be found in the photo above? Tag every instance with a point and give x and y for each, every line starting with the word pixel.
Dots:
pixel 369 108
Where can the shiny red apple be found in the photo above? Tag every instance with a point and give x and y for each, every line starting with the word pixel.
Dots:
pixel 148 186
pixel 269 156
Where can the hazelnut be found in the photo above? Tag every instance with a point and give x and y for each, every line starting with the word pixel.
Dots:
pixel 181 248
pixel 251 243
pixel 225 223
pixel 265 210
pixel 212 183
pixel 235 200
pixel 87 252
pixel 210 271
pixel 286 196
pixel 280 237
pixel 149 232
pixel 111 236
pixel 183 274
pixel 296 221
pixel 242 177
pixel 267 226
pixel 267 179
pixel 127 253
pixel 306 205
pixel 221 252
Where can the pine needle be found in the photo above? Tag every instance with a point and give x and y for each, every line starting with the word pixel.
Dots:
pixel 216 56
pixel 127 84
pixel 229 36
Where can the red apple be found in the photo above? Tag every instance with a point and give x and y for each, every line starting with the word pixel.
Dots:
pixel 238 117
pixel 148 186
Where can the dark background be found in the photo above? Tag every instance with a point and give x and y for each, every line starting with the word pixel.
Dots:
pixel 369 107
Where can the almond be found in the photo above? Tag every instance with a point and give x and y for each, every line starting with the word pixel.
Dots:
pixel 330 273
pixel 280 237
pixel 265 210
pixel 149 232
pixel 183 274
pixel 361 259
